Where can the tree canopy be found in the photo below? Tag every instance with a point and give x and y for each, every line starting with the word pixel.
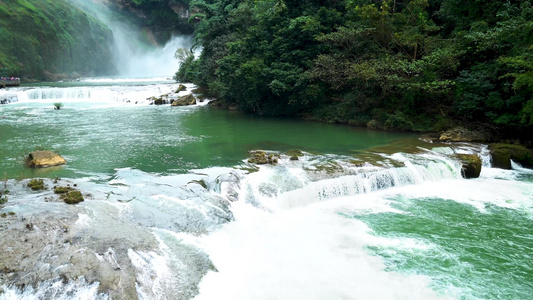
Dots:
pixel 411 64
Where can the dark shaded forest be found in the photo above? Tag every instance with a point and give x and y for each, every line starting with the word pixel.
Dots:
pixel 417 65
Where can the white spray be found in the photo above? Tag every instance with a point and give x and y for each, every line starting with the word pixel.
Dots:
pixel 134 55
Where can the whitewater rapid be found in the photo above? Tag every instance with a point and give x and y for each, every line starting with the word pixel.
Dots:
pixel 280 232
pixel 401 225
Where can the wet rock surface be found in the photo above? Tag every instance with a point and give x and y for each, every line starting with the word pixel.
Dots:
pixel 49 246
pixel 502 154
pixel 259 157
pixel 471 165
pixel 43 159
pixel 185 100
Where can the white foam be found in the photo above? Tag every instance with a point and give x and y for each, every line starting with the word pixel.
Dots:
pixel 55 289
pixel 305 253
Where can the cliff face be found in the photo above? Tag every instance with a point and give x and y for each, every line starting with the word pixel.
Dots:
pixel 159 19
pixel 50 40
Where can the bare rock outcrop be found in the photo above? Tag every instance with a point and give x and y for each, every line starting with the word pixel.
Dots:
pixel 43 159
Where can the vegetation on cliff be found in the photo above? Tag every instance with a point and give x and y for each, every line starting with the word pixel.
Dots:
pixel 412 65
pixel 46 40
pixel 160 18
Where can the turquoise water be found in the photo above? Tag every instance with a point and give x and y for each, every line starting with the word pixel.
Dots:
pixel 488 252
pixel 95 138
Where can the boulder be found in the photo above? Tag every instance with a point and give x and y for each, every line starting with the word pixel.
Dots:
pixel 374 125
pixel 185 100
pixel 294 154
pixel 43 159
pixel 471 165
pixel 156 101
pixel 503 153
pixel 261 158
pixel 181 88
pixel 216 103
pixel 461 134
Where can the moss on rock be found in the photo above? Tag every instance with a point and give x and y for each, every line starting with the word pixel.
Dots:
pixel 262 158
pixel 62 189
pixel 36 184
pixel 503 153
pixel 471 165
pixel 72 197
pixel 181 88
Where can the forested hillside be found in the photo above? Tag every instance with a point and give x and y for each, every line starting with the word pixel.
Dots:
pixel 411 65
pixel 51 39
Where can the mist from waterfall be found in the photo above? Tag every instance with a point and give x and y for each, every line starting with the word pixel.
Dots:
pixel 135 54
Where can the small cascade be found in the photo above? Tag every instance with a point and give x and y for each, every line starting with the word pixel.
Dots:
pixel 6 98
pixel 289 187
pixel 138 94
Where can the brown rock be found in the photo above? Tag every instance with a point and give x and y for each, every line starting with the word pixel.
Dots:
pixel 43 159
pixel 471 165
pixel 185 100
pixel 461 134
pixel 261 158
pixel 503 153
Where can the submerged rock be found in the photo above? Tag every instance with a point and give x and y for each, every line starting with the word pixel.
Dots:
pixel 185 100
pixel 43 159
pixel 503 153
pixel 471 165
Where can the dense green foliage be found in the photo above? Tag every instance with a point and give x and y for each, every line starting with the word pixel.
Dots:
pixel 412 64
pixel 42 38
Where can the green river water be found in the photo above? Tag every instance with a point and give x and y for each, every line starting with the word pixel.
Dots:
pixel 160 139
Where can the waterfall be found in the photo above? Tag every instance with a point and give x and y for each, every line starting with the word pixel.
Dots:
pixel 128 94
pixel 135 55
pixel 289 185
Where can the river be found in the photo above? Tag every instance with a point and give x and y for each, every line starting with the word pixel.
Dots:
pixel 173 209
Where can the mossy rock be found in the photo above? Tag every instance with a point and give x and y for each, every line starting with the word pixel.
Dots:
pixel 62 189
pixel 461 134
pixel 181 88
pixel 72 197
pixel 36 184
pixel 217 103
pixel 471 165
pixel 294 157
pixel 261 158
pixel 294 152
pixel 503 153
